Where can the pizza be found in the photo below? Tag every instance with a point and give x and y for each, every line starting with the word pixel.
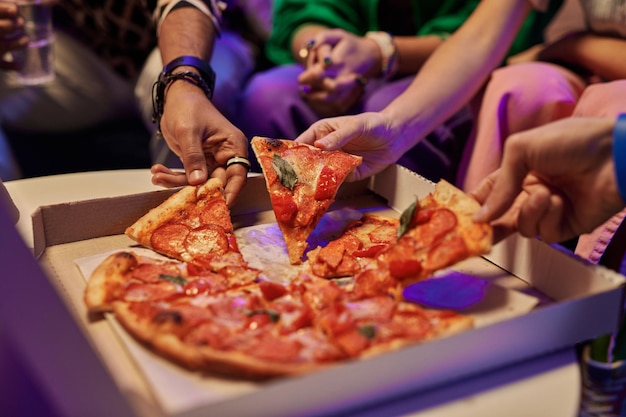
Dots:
pixel 302 182
pixel 192 225
pixel 204 321
pixel 206 309
pixel 355 248
pixel 434 233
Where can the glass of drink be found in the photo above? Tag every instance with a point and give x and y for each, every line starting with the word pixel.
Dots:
pixel 36 61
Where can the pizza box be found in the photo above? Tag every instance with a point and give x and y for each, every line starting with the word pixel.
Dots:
pixel 572 302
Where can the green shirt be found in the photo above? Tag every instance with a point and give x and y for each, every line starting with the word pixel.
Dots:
pixel 431 17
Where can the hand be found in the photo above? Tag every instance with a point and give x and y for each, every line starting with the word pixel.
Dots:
pixel 204 140
pixel 556 181
pixel 367 134
pixel 336 67
pixel 12 35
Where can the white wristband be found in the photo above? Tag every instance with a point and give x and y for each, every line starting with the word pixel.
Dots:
pixel 388 51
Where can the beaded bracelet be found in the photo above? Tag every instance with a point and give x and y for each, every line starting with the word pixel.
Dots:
pixel 388 52
pixel 205 81
pixel 619 153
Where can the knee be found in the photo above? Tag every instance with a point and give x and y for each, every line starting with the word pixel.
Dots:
pixel 603 99
pixel 521 80
pixel 533 89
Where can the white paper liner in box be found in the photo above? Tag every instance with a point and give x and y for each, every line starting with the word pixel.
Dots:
pixel 178 390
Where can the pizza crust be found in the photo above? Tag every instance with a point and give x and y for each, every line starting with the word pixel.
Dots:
pixel 107 281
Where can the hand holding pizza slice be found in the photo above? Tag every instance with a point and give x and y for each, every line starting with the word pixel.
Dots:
pixel 436 232
pixel 302 182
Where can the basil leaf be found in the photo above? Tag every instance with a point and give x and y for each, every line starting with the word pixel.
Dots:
pixel 286 175
pixel 368 331
pixel 175 279
pixel 273 315
pixel 405 219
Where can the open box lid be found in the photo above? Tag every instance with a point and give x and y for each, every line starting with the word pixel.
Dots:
pixel 588 302
pixel 34 318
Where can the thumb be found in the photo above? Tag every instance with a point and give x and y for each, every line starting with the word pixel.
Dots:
pixel 195 164
pixel 332 141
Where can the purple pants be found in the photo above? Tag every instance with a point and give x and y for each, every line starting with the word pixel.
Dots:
pixel 271 106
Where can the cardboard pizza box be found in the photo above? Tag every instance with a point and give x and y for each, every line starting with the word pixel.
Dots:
pixel 574 301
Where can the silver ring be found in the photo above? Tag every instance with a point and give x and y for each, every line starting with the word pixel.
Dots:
pixel 238 160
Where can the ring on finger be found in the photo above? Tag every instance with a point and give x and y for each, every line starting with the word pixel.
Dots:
pixel 238 160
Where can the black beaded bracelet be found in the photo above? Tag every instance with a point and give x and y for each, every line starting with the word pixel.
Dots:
pixel 205 81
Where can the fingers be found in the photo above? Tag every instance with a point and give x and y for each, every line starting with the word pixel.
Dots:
pixel 166 177
pixel 12 35
pixel 236 176
pixel 498 191
pixel 541 215
pixel 189 148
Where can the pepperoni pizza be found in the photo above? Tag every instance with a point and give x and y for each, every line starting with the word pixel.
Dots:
pixel 206 309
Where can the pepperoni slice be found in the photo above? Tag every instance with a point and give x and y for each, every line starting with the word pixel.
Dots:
pixel 137 292
pixel 170 238
pixel 446 253
pixel 383 234
pixel 216 212
pixel 209 238
pixel 153 272
pixel 440 222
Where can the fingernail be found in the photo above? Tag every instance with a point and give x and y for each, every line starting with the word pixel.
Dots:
pixel 327 61
pixel 196 175
pixel 310 44
pixel 305 89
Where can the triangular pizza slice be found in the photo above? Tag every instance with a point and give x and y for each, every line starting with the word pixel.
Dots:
pixel 302 182
pixel 192 225
pixel 434 233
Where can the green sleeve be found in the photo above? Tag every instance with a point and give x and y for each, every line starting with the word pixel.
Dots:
pixel 448 18
pixel 533 29
pixel 530 34
pixel 288 15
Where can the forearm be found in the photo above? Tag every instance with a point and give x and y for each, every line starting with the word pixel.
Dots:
pixel 456 70
pixel 599 55
pixel 413 51
pixel 186 31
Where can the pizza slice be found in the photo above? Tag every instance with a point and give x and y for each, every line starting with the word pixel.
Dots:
pixel 302 182
pixel 357 246
pixel 434 233
pixel 192 225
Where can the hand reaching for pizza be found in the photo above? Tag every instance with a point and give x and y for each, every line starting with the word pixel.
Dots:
pixel 203 139
pixel 553 188
pixel 367 134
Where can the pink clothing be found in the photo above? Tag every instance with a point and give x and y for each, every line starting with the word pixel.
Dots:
pixel 531 94
pixel 602 100
pixel 524 96
pixel 517 98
